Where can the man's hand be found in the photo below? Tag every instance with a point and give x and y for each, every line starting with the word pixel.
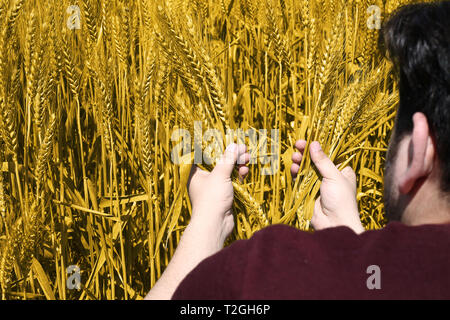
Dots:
pixel 211 193
pixel 336 205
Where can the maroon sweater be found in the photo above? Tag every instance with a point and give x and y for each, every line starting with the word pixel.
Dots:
pixel 280 262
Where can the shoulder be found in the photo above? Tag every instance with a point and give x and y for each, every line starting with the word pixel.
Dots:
pixel 278 244
pixel 404 235
pixel 410 241
pixel 306 264
pixel 287 237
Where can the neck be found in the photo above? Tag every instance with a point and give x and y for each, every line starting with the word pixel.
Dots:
pixel 427 208
pixel 432 219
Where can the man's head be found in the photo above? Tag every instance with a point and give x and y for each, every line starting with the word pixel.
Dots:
pixel 417 175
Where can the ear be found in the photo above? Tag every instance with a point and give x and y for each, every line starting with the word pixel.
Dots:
pixel 422 153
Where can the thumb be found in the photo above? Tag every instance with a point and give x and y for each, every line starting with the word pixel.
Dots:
pixel 325 166
pixel 350 175
pixel 226 163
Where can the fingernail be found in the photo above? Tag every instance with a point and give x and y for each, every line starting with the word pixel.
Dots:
pixel 315 146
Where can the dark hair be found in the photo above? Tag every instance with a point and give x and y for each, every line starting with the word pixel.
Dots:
pixel 417 40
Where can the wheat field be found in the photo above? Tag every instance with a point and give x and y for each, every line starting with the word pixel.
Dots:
pixel 91 93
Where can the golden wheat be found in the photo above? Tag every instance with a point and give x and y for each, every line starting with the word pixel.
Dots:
pixel 89 116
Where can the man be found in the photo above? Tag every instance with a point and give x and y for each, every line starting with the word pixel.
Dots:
pixel 409 259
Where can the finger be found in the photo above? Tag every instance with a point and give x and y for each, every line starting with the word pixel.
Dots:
pixel 294 170
pixel 243 172
pixel 350 175
pixel 297 157
pixel 244 159
pixel 325 166
pixel 226 163
pixel 300 145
